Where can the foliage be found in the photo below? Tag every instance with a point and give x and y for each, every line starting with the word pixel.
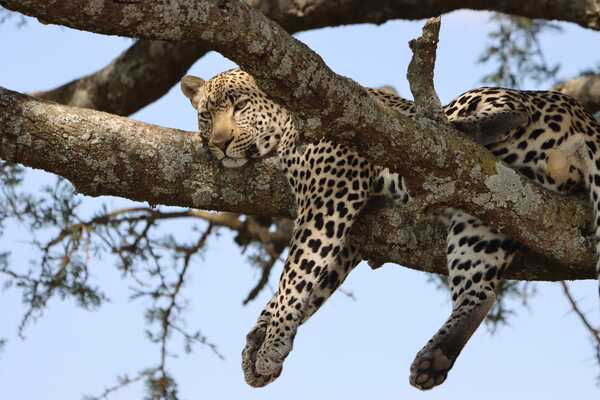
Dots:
pixel 516 53
pixel 156 264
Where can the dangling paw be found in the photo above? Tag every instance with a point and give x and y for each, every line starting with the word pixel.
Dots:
pixel 254 341
pixel 430 367
pixel 270 356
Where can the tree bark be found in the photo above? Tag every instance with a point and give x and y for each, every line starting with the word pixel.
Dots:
pixel 299 14
pixel 420 71
pixel 138 77
pixel 149 68
pixel 102 154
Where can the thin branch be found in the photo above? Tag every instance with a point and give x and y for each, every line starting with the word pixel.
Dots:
pixel 347 293
pixel 134 214
pixel 594 332
pixel 198 338
pixel 263 281
pixel 122 382
pixel 166 322
pixel 420 70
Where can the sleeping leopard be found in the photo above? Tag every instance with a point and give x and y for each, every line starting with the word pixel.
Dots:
pixel 537 133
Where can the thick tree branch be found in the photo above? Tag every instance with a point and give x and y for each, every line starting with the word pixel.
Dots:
pixel 149 68
pixel 109 155
pixel 293 13
pixel 138 77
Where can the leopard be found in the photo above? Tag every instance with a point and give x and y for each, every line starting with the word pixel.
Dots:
pixel 548 137
pixel 332 184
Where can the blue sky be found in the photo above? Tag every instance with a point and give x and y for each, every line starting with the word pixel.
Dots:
pixel 350 349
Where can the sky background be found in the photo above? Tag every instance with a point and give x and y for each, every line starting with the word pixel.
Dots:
pixel 350 349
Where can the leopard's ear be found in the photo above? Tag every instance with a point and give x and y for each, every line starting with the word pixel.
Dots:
pixel 190 85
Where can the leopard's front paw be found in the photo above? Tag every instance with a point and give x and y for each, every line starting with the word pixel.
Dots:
pixel 430 367
pixel 270 356
pixel 254 341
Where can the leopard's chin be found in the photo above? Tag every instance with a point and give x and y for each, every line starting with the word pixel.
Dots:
pixel 233 162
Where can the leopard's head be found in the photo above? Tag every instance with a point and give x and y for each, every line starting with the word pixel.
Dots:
pixel 235 118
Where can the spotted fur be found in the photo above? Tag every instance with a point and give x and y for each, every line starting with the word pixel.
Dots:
pixel 332 184
pixel 477 256
pixel 542 134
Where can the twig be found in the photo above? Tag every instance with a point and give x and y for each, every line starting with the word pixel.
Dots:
pixel 347 293
pixel 420 70
pixel 122 382
pixel 593 331
pixel 262 282
pixel 166 317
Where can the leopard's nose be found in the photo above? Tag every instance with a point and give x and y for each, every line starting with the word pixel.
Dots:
pixel 222 143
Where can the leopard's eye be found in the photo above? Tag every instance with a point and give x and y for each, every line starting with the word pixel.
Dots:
pixel 205 115
pixel 240 104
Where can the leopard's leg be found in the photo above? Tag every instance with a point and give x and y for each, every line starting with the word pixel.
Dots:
pixel 477 256
pixel 346 260
pixel 319 258
pixel 262 358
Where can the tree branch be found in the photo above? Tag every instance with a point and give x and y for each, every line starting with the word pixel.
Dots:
pixel 138 77
pixel 420 71
pixel 595 333
pixel 108 155
pixel 294 14
pixel 149 68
